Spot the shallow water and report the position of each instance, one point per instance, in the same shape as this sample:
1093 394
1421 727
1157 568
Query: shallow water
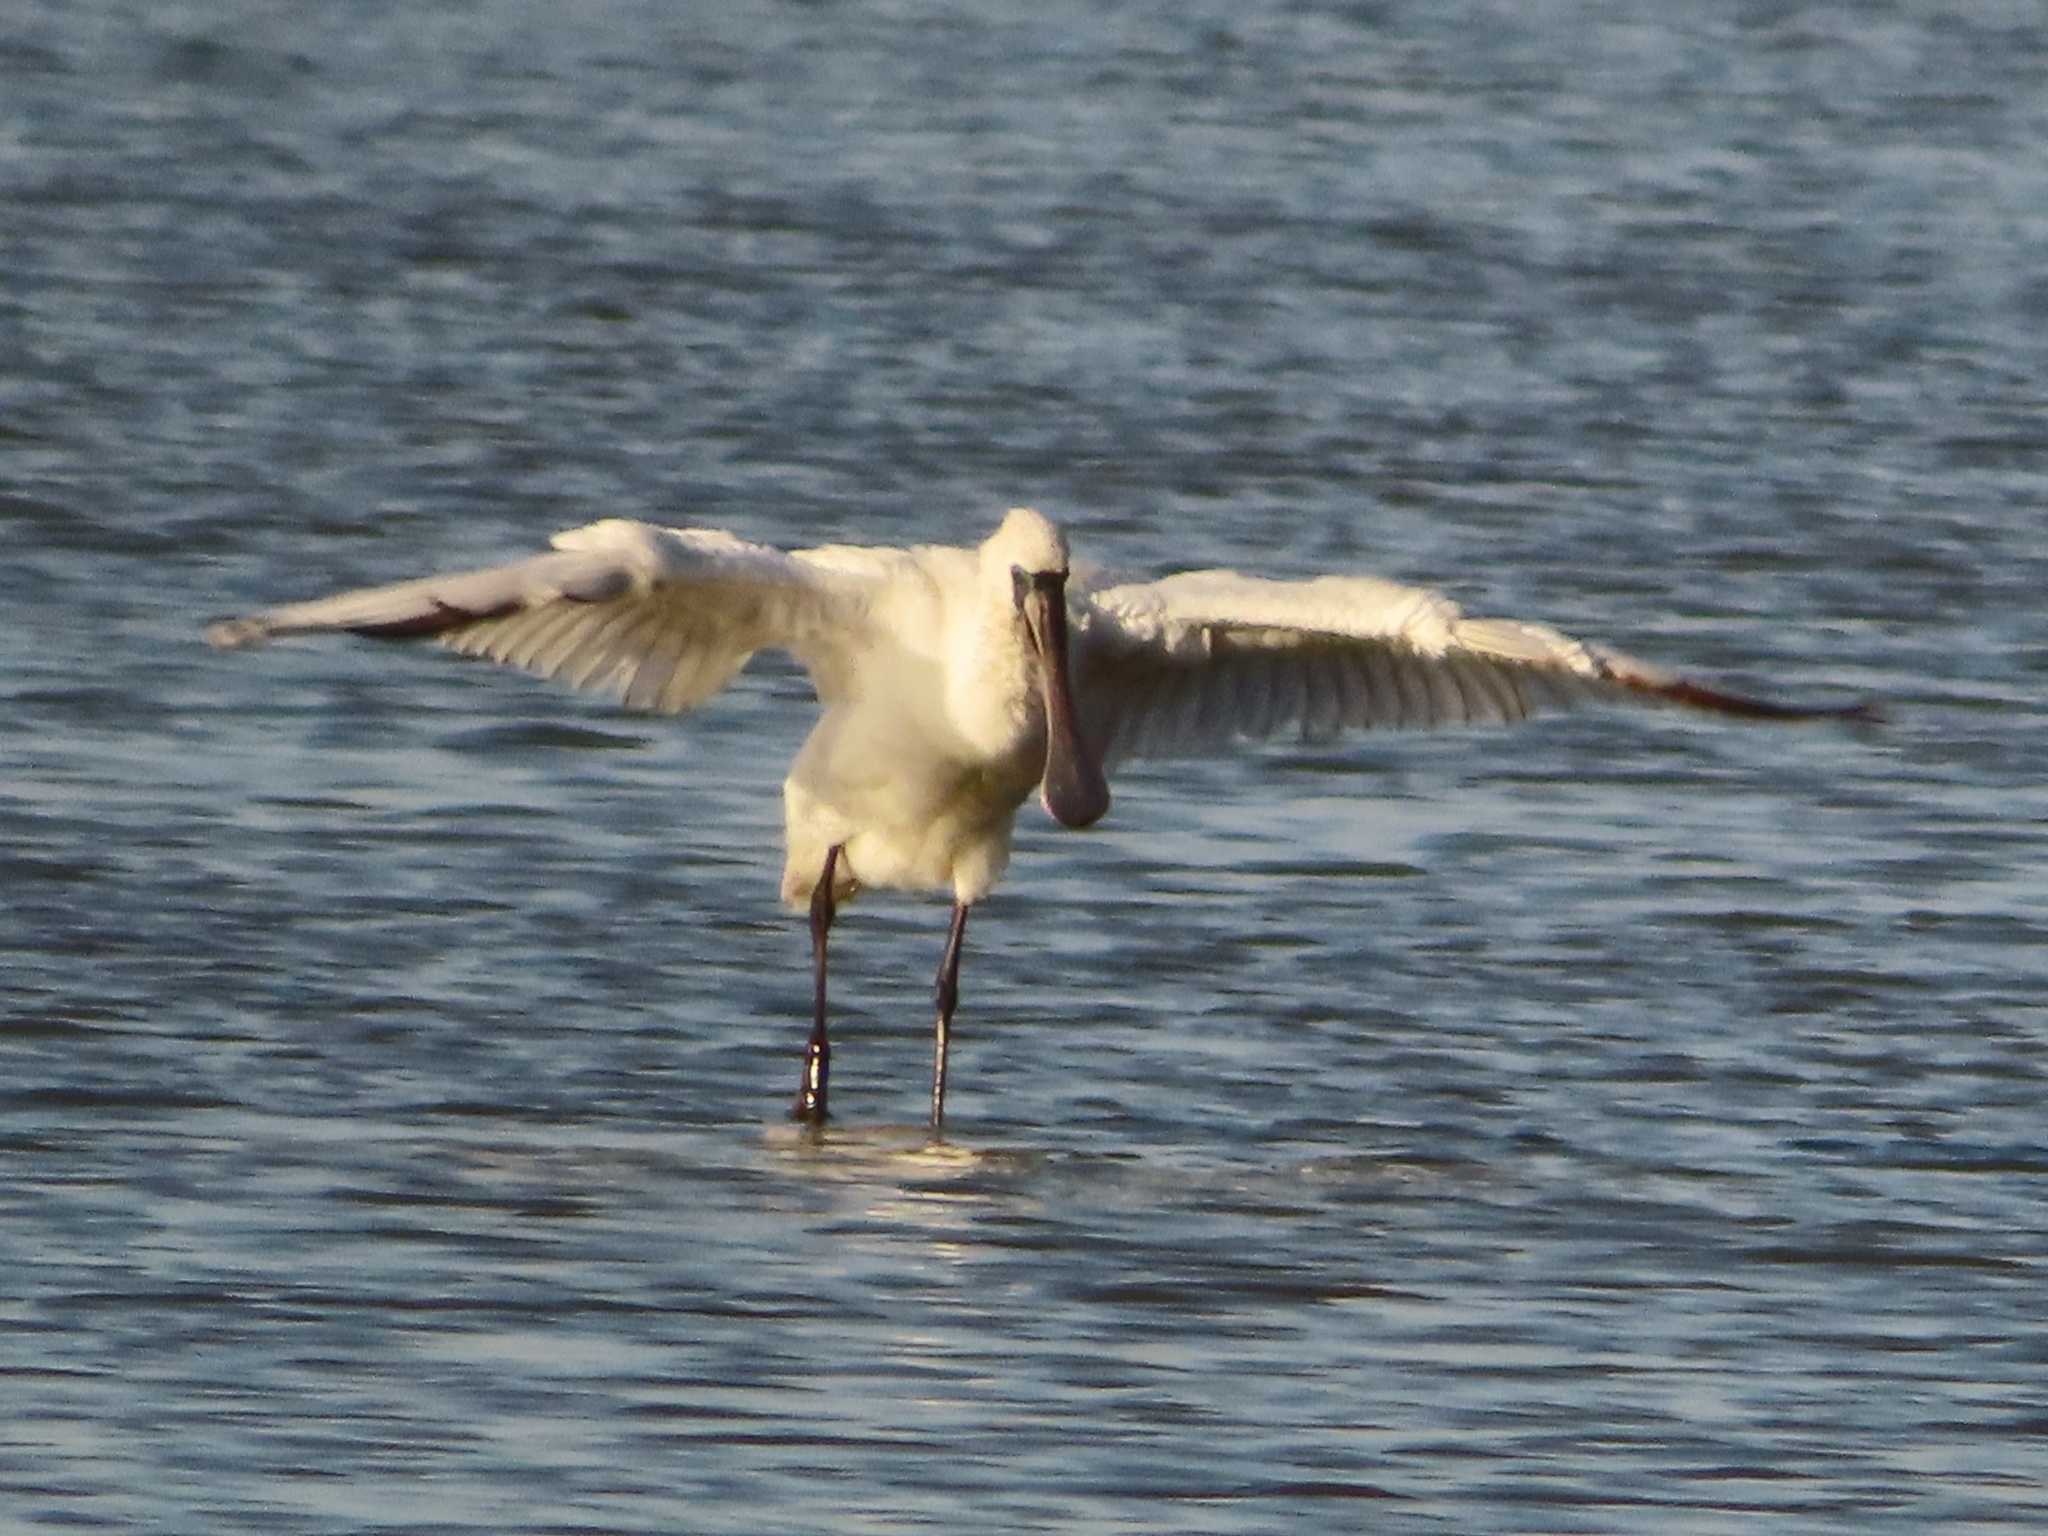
1624 1124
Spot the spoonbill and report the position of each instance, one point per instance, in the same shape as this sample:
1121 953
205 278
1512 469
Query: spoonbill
955 680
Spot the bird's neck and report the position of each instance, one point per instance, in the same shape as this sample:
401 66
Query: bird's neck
994 697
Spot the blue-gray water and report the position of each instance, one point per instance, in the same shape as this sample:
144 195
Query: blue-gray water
1620 1125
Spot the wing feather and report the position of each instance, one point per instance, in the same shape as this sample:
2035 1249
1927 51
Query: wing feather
1354 687
658 665
591 654
661 617
518 639
1385 702
1417 708
1316 719
1194 661
1485 703
1250 691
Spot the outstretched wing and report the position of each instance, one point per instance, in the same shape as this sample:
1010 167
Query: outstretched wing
1194 661
659 617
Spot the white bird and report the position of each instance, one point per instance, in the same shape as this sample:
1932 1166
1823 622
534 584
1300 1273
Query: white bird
955 680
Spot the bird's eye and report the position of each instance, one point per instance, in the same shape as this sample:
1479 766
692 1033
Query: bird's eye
1020 583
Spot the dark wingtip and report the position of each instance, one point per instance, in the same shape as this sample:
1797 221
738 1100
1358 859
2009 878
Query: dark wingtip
1698 696
443 616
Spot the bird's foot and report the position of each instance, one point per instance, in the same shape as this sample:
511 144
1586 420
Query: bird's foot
809 1108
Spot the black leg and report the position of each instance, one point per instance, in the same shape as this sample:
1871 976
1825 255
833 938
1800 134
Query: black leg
810 1093
946 994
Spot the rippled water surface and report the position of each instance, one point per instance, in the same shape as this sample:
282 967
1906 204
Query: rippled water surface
1620 1125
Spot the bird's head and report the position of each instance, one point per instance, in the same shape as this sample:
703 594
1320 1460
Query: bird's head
1034 551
